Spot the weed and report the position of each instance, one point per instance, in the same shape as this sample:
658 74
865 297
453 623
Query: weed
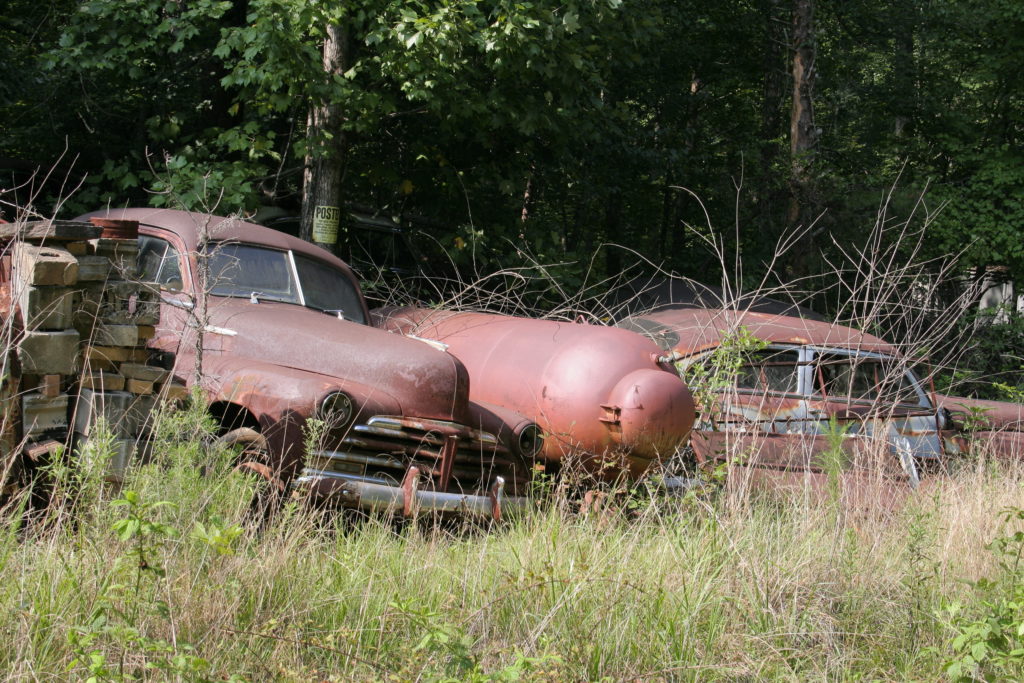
116 624
988 643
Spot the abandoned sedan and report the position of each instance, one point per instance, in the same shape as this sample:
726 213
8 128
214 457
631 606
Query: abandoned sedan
600 394
782 393
275 331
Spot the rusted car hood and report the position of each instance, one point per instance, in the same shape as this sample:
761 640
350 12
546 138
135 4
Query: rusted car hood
995 415
592 389
421 378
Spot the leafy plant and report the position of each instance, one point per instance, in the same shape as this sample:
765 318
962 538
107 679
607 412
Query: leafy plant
834 458
115 644
711 374
454 647
989 644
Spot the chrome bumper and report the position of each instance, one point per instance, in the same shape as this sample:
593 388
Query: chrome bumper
407 498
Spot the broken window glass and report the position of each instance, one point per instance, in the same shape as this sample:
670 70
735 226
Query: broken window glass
771 370
864 379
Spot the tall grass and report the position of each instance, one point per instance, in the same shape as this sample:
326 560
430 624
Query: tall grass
647 589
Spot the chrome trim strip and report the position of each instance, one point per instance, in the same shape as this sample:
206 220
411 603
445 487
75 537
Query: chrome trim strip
311 474
359 458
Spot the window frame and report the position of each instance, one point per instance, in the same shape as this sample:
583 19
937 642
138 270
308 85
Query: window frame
816 389
170 241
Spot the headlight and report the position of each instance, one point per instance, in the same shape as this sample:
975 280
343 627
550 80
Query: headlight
336 410
531 440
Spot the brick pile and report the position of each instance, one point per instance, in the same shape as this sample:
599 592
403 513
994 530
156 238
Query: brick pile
85 319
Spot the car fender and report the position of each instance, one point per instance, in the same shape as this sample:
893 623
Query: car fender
271 392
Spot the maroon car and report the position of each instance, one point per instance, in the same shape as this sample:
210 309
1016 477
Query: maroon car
794 389
282 334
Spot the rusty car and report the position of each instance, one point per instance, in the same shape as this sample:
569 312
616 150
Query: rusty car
281 334
995 427
797 388
601 395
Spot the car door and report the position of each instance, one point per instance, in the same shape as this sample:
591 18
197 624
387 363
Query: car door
875 397
764 416
161 261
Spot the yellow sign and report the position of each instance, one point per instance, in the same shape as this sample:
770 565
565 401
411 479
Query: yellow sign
325 224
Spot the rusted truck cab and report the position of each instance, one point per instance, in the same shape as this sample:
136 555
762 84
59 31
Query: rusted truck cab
275 332
601 395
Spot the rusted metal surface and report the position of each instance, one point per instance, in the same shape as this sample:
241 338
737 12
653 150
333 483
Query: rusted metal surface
272 364
995 427
784 409
597 392
116 229
688 331
990 415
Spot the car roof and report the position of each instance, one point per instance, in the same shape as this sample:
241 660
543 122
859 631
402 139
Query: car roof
187 225
659 292
687 330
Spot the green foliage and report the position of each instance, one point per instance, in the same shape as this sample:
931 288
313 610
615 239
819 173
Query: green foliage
710 375
144 590
219 534
115 635
991 366
834 459
989 643
451 645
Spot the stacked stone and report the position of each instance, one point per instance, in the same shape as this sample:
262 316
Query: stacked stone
81 320
10 415
116 314
42 279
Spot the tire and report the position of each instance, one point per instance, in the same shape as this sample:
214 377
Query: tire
254 460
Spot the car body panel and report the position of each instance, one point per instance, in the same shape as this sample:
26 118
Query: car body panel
996 426
886 408
598 392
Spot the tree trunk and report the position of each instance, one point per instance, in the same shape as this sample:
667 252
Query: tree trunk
321 189
771 194
803 133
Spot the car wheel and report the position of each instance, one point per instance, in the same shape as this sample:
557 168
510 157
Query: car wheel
254 459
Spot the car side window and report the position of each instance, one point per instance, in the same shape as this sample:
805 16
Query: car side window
159 262
771 371
858 378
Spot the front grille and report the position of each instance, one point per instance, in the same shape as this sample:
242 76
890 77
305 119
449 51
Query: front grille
381 449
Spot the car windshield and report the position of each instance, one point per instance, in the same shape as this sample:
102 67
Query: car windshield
248 270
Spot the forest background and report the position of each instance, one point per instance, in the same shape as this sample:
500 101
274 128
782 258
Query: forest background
539 131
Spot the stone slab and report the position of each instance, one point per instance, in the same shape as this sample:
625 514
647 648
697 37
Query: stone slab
109 406
49 353
46 308
102 381
43 265
43 415
106 334
148 373
47 231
